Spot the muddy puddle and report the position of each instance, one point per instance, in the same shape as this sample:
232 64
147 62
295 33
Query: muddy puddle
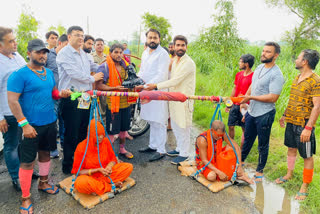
270 198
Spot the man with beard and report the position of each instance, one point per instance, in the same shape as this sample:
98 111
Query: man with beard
301 115
154 69
31 91
171 50
241 84
183 79
87 46
119 111
74 68
265 89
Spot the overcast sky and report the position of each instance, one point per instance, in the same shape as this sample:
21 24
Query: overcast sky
119 19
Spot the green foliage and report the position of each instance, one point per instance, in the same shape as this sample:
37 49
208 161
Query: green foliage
159 23
307 33
221 41
117 42
26 30
219 82
60 29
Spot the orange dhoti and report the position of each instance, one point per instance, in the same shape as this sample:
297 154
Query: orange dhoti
100 184
87 156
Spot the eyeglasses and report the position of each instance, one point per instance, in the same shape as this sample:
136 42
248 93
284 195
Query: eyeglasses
79 35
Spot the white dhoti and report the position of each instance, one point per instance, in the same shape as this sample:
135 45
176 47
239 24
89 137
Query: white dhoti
158 136
182 138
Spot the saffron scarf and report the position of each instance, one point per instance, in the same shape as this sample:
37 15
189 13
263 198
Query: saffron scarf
114 81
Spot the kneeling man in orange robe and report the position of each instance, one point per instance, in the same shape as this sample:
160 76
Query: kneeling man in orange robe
92 178
223 163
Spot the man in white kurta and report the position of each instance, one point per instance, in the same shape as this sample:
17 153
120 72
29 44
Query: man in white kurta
154 69
183 79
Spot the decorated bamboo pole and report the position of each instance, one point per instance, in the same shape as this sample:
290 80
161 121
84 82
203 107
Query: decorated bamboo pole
169 96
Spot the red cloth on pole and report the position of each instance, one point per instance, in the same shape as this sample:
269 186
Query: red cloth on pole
162 95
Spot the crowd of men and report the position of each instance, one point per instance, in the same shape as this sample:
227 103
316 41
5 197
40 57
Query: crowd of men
35 95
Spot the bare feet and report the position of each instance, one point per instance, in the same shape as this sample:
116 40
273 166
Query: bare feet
26 204
129 136
118 184
245 178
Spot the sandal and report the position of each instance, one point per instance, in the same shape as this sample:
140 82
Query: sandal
127 155
47 189
258 176
283 180
28 208
301 194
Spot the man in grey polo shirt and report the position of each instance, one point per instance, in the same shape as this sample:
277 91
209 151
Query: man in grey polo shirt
10 60
74 68
265 89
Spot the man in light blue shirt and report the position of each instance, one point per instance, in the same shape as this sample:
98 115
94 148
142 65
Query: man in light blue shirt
74 68
265 89
10 60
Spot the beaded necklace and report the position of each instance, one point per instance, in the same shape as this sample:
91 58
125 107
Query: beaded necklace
42 76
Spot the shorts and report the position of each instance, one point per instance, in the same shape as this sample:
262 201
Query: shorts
44 141
292 140
118 122
235 116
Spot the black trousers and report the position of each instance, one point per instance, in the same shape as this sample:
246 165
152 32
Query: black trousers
76 126
261 127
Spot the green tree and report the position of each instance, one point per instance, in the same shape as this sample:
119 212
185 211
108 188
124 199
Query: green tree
159 23
222 37
26 30
307 33
60 29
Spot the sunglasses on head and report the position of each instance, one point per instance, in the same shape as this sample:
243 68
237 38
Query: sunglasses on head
218 135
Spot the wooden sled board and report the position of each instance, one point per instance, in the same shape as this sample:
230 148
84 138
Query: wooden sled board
89 201
187 168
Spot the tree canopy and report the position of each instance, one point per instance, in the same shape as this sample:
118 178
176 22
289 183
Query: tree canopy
307 33
159 23
26 30
60 29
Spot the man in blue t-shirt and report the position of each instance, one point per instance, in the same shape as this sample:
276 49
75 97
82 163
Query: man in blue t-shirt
127 52
31 91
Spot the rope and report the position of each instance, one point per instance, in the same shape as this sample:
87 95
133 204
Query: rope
218 111
94 106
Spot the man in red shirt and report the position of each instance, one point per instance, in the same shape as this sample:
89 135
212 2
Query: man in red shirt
241 84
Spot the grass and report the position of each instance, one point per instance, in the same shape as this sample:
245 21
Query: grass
215 79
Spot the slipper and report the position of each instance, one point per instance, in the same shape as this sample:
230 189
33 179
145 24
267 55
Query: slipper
52 188
26 209
282 180
127 155
256 176
302 194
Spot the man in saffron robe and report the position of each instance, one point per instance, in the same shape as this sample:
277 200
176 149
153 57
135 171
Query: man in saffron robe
94 179
204 150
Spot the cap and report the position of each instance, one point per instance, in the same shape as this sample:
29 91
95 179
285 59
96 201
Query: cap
36 45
